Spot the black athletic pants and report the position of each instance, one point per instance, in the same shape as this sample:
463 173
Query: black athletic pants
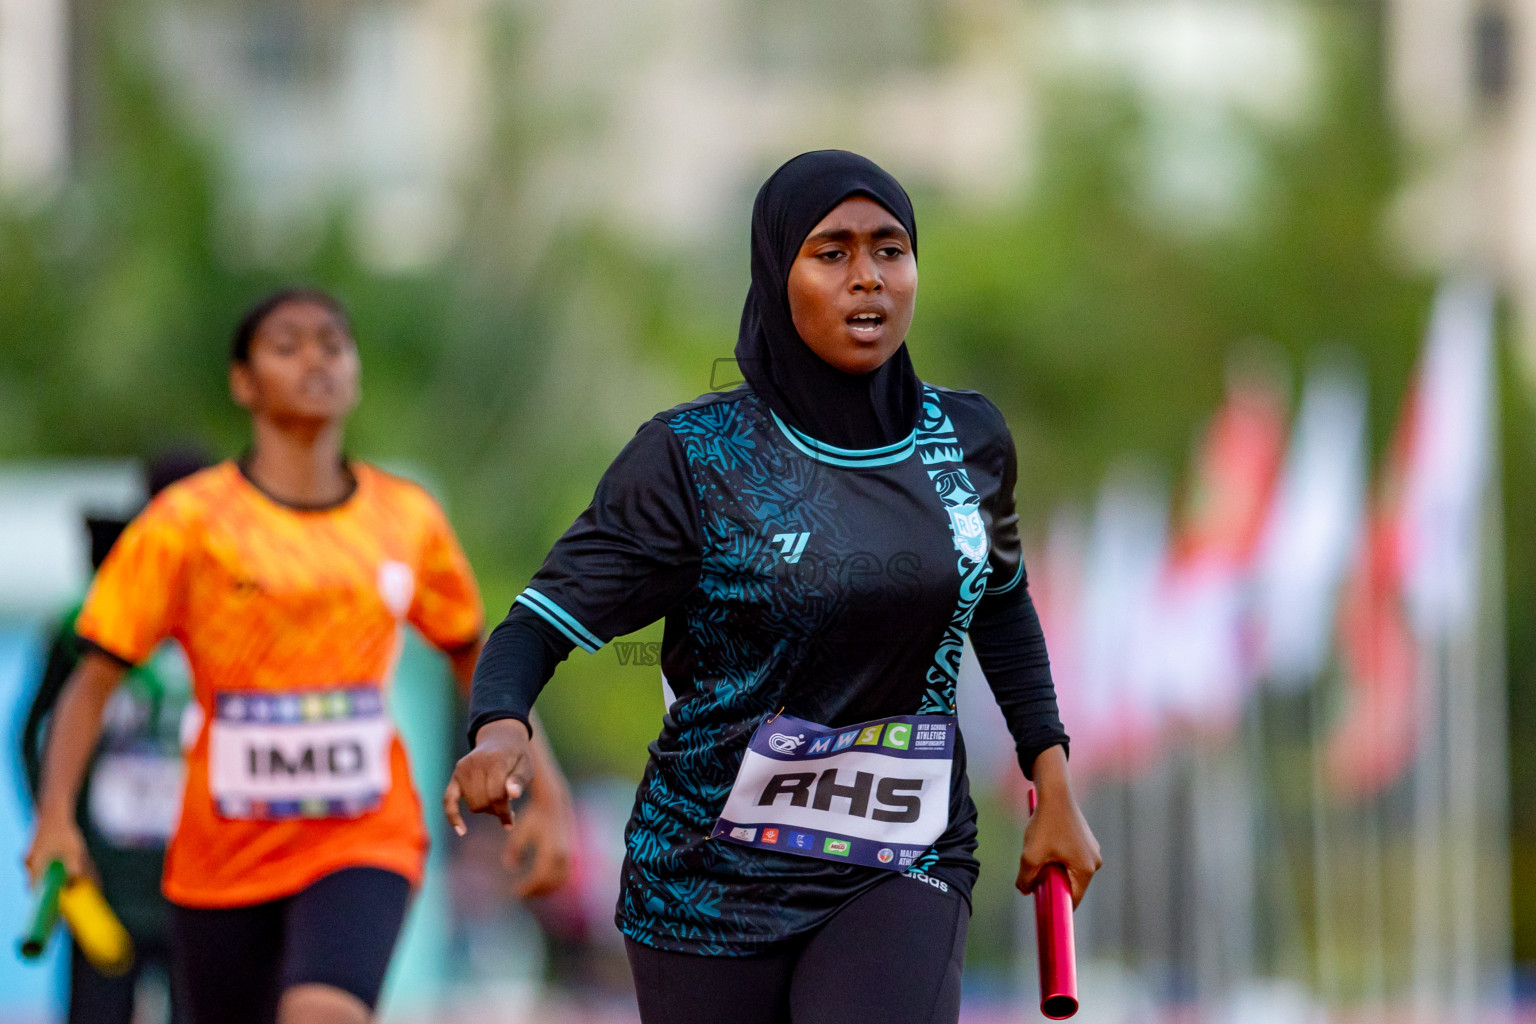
95 998
892 955
233 965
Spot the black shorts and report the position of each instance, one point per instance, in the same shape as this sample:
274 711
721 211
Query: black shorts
232 965
893 954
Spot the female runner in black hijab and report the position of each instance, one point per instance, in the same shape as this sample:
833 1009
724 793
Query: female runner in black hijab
820 542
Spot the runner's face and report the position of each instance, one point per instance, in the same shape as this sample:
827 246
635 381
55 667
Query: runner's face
853 286
303 366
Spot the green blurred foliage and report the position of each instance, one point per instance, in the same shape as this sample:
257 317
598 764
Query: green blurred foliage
1098 330
514 371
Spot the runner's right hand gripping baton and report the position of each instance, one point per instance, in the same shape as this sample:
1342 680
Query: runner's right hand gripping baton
1053 937
97 931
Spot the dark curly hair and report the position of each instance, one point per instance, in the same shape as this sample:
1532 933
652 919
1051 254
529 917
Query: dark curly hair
252 319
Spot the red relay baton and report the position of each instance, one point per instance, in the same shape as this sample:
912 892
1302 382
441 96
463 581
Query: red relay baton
1053 936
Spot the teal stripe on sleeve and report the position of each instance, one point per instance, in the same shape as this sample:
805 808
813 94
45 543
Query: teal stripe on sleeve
560 619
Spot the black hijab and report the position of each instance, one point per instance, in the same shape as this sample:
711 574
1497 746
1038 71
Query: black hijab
842 409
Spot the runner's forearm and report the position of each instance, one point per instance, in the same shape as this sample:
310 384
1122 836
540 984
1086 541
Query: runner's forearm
1051 777
518 659
63 656
73 732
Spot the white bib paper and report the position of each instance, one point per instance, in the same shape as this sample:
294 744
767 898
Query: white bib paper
876 793
135 797
313 754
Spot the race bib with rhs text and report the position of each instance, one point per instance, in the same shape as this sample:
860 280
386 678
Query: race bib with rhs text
875 794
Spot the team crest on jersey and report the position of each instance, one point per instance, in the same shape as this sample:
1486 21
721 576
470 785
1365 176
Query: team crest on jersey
964 509
970 534
397 585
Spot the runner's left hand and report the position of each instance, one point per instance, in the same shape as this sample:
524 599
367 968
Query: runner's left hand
1057 833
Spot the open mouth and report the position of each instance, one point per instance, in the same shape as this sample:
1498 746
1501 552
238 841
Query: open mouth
317 386
866 323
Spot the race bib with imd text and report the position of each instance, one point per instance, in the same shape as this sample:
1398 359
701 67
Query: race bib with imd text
304 754
875 794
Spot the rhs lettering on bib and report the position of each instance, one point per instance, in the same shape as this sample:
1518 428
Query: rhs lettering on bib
875 794
306 754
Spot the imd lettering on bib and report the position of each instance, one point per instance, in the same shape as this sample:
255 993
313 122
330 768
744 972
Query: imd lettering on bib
875 793
303 754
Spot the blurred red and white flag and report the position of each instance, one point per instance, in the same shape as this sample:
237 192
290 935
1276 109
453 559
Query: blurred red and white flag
1056 586
1448 478
1116 621
1314 530
1201 659
1373 741
1421 559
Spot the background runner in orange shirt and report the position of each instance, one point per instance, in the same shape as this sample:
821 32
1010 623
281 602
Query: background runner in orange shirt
287 577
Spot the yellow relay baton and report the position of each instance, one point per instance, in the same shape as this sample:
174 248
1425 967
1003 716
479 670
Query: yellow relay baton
97 931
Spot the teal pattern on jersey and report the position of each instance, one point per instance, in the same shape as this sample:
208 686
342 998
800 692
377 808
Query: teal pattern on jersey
938 446
752 624
677 882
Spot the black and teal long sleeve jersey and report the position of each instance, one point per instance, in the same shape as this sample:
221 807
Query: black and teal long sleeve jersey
833 585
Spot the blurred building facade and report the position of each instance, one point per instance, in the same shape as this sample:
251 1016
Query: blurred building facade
660 115
1464 96
34 96
663 113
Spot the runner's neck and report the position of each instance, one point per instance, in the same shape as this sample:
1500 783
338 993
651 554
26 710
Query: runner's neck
309 473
